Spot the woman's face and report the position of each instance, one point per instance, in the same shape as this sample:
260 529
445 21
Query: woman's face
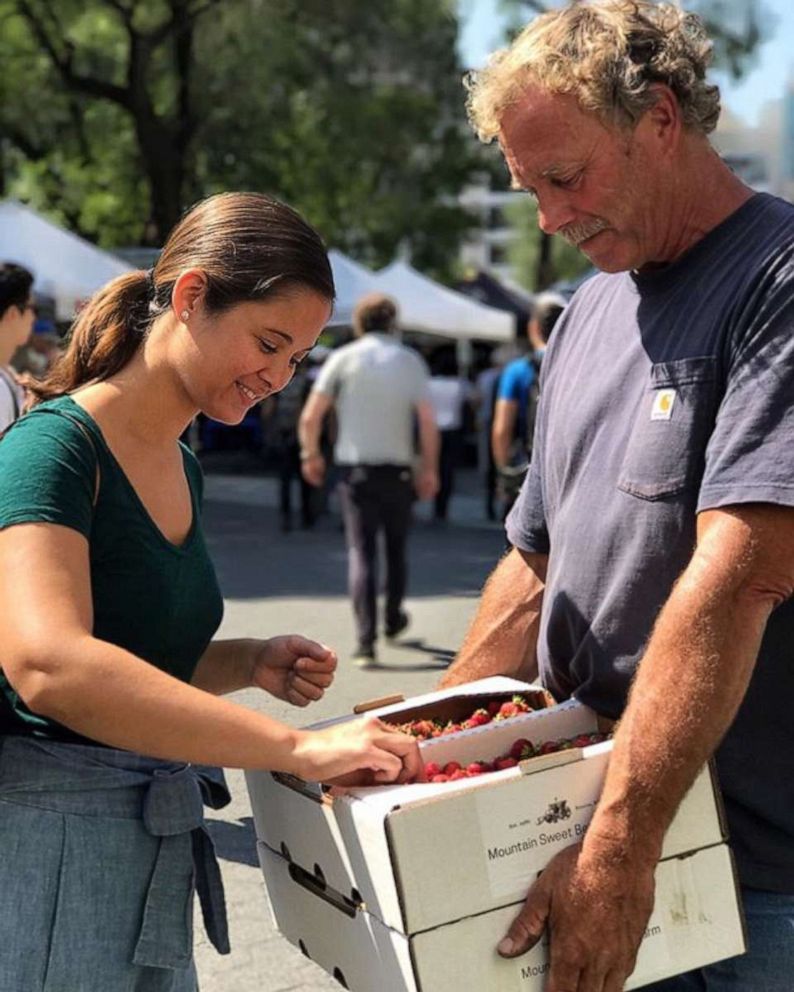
235 359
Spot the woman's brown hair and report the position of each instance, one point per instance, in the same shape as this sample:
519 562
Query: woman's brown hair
249 246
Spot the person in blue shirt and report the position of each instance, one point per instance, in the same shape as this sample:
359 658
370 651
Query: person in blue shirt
516 402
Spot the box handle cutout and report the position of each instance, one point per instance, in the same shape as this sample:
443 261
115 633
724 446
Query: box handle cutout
307 881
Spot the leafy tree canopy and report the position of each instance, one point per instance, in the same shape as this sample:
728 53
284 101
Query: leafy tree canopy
116 114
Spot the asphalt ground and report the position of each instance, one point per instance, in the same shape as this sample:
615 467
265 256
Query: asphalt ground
278 583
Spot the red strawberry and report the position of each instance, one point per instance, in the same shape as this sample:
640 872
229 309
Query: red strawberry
451 767
548 747
440 778
585 740
506 710
478 768
521 749
479 718
460 773
506 762
493 707
452 728
432 768
423 728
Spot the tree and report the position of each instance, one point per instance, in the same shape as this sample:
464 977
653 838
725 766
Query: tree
352 112
363 128
108 60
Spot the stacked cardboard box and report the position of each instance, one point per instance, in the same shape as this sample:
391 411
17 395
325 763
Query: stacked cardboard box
409 888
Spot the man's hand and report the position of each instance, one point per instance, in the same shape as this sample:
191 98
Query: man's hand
293 668
596 908
313 469
426 483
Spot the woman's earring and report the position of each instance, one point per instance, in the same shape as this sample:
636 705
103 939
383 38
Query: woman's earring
184 316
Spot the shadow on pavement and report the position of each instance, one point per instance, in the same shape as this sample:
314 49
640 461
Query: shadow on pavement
234 841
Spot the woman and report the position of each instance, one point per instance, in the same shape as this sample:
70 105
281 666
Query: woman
109 603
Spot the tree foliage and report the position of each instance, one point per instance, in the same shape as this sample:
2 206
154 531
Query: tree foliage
116 114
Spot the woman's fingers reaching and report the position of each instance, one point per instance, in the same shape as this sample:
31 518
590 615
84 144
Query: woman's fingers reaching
338 752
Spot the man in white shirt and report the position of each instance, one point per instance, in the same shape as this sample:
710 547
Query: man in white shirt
379 390
16 321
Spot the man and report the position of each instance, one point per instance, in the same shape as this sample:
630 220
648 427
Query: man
16 321
378 389
654 535
517 400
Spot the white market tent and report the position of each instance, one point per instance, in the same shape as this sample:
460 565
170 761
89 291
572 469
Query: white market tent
352 281
428 307
66 267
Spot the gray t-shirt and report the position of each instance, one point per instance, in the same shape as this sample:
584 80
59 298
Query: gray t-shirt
664 394
376 384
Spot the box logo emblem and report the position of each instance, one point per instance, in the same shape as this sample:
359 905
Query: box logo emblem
558 810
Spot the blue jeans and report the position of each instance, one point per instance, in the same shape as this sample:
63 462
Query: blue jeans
768 965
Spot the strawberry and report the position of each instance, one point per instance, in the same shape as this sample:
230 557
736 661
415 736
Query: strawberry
452 728
585 740
478 768
479 718
451 767
506 762
459 774
422 728
493 707
440 778
548 747
522 749
432 768
507 710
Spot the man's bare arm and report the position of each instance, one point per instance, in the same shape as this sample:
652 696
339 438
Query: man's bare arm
426 481
697 666
691 681
309 430
503 637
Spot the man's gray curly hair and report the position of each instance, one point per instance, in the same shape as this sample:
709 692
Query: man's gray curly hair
608 54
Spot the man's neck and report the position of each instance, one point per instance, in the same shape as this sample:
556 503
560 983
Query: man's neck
708 195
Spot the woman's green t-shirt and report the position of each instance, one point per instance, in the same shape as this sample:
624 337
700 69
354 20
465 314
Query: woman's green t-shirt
158 600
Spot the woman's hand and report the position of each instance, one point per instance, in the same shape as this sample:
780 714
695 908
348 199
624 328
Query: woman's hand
358 752
293 668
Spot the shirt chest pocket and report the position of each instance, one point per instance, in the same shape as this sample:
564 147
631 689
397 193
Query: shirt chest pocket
666 447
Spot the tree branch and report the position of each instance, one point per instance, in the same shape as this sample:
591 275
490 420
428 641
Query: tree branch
89 85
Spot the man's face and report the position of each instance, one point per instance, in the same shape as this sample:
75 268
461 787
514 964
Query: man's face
597 186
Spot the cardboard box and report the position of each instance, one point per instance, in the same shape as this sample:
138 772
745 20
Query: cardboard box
696 921
388 848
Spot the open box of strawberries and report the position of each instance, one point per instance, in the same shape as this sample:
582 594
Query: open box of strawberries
521 750
452 716
457 713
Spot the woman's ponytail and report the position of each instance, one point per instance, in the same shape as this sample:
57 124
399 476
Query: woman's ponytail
104 337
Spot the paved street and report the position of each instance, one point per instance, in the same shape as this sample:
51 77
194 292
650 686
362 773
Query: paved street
283 583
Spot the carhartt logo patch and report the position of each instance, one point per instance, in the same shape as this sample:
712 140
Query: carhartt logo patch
663 403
